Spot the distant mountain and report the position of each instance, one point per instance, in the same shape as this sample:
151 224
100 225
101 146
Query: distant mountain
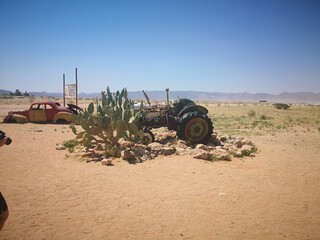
285 97
4 92
298 97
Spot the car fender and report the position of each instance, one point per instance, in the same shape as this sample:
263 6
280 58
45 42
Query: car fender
62 115
193 108
16 118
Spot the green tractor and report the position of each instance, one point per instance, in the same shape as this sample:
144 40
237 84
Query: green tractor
188 119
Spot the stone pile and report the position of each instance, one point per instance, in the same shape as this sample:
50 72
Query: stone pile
166 144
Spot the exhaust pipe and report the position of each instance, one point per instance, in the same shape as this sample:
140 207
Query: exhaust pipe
167 96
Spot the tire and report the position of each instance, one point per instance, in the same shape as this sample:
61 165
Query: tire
195 127
61 121
148 137
10 121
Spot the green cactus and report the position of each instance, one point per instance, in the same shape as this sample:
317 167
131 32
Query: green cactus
114 119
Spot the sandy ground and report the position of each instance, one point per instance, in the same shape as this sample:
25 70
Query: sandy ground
275 195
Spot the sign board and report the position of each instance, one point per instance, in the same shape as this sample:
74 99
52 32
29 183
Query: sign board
70 90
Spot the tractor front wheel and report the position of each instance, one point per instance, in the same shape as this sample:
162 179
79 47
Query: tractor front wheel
148 137
195 127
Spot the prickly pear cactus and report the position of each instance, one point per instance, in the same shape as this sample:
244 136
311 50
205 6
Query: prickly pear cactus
114 119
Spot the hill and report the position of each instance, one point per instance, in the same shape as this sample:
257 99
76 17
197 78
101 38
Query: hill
286 97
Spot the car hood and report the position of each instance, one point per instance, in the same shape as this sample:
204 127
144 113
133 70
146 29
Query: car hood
19 112
74 106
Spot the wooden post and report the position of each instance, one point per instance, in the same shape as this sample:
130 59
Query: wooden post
64 91
76 86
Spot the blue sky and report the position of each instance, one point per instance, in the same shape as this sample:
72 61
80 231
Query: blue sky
213 46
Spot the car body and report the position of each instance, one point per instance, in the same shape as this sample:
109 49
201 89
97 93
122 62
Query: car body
43 112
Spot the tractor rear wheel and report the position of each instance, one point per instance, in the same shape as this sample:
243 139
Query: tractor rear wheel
195 127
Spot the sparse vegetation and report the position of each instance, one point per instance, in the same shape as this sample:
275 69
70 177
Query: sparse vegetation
237 120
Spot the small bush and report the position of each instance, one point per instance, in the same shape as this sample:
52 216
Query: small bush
251 113
290 119
71 144
263 117
281 106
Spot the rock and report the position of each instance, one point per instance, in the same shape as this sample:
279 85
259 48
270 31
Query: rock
145 158
168 144
94 159
238 143
181 144
224 138
214 140
99 152
214 136
99 147
170 134
86 154
168 151
140 151
127 155
166 136
180 150
246 150
107 161
202 154
210 148
238 154
233 149
201 146
152 156
126 144
60 147
246 147
222 154
247 142
155 146
227 146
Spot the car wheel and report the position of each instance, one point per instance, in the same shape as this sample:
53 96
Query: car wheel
62 121
10 121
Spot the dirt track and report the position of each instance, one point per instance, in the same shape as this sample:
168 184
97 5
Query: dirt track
272 196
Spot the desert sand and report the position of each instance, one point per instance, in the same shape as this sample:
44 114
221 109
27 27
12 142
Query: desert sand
51 195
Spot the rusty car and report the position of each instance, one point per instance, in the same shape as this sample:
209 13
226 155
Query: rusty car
43 112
